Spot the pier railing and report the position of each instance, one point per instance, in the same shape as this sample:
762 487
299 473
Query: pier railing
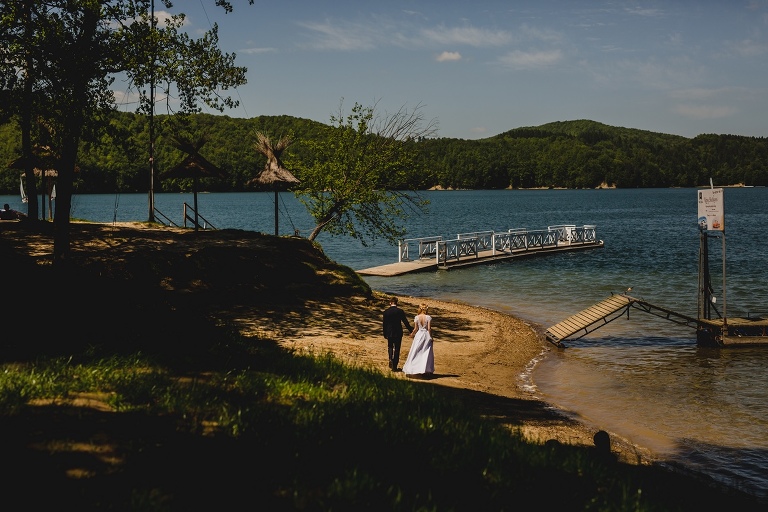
586 234
470 245
454 249
484 239
427 248
513 239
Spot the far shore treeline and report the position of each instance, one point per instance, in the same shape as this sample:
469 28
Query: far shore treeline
563 154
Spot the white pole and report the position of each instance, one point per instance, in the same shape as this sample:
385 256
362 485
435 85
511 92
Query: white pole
725 316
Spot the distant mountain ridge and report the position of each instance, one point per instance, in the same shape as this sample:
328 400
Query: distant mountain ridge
580 126
564 154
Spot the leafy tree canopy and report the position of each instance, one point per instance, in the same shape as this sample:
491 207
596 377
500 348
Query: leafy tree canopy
356 179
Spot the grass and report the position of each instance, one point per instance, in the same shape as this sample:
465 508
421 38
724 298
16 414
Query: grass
295 432
119 392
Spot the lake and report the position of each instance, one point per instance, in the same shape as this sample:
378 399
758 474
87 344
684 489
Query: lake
641 377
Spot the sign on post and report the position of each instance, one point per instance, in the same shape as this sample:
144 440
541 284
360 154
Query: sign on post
711 216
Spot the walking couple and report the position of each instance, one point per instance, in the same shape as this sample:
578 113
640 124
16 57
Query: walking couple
421 356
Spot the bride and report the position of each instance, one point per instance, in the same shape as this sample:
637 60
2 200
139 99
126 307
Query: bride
421 356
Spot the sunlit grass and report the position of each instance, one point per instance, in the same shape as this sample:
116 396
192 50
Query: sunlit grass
331 436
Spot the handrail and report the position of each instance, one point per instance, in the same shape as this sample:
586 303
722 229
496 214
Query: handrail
206 223
427 247
564 232
513 240
484 239
455 249
167 220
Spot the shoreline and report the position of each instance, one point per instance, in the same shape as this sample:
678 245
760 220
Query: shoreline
484 353
481 352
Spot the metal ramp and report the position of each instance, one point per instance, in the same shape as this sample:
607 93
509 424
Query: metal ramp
589 319
606 311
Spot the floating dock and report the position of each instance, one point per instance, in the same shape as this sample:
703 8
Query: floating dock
485 247
733 332
710 332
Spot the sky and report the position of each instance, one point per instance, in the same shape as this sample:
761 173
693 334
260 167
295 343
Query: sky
480 68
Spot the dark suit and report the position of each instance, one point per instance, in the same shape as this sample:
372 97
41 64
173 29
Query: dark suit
393 332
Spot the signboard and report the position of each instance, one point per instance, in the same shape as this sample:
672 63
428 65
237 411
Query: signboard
711 216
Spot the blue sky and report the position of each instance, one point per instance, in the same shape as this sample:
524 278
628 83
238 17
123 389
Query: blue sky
480 68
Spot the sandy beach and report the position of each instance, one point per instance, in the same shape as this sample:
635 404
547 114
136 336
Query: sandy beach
482 351
482 354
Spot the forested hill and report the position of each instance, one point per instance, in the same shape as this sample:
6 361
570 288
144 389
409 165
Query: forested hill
569 154
588 154
585 127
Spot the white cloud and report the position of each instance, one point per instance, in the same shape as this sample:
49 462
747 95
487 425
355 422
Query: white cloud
654 73
348 36
470 36
125 98
163 16
538 34
532 59
696 93
128 100
704 111
749 48
448 56
253 51
160 16
645 12
345 37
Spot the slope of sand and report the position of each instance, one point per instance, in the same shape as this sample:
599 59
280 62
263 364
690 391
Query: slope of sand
483 352
480 354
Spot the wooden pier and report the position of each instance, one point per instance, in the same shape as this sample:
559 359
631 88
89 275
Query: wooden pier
710 332
434 253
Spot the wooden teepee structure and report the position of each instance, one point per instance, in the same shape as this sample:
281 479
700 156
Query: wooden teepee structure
274 176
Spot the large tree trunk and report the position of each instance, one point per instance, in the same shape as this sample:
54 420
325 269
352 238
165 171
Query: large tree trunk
64 187
26 122
322 223
72 128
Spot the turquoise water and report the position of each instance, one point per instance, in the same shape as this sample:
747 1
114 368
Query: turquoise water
640 377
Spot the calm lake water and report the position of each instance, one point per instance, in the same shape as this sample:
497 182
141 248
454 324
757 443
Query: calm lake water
640 377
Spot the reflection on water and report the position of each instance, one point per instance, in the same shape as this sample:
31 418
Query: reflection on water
639 376
691 404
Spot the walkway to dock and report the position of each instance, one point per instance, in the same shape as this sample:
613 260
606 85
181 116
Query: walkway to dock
606 311
589 319
434 253
719 332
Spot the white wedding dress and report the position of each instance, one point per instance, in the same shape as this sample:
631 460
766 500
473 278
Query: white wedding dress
421 356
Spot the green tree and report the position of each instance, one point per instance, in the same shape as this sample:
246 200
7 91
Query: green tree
357 181
82 45
19 87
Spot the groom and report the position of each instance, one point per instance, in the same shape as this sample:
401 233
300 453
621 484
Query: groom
393 331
